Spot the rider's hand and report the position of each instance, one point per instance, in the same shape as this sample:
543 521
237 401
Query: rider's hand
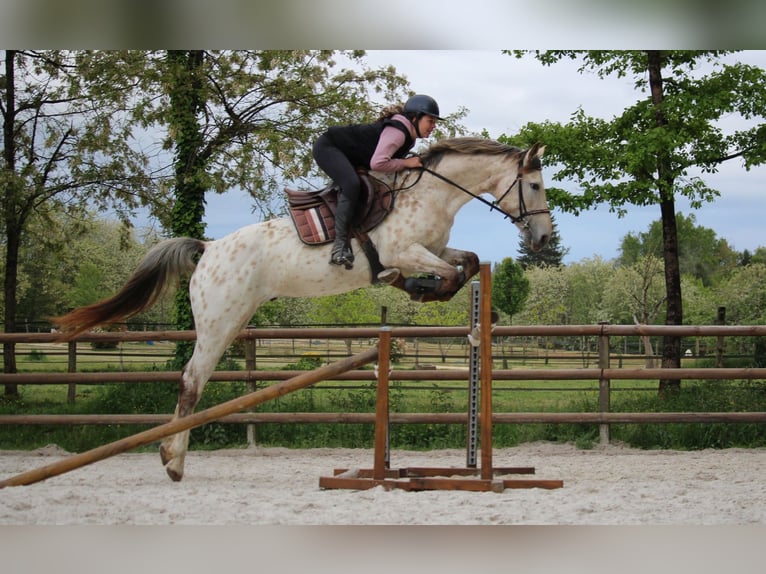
413 161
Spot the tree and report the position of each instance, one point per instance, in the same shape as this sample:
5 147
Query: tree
550 255
747 258
188 98
701 253
743 294
656 149
548 293
587 282
353 307
635 292
66 127
510 287
247 119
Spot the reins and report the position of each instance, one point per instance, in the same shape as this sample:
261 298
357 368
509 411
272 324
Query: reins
495 205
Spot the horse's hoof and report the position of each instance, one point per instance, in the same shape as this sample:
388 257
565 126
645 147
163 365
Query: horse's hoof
389 275
174 475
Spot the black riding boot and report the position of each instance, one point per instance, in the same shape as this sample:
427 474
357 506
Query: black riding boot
341 247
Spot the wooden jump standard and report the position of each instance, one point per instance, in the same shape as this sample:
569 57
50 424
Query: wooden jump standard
202 417
438 478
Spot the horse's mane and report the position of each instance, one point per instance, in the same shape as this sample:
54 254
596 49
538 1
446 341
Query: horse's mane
465 145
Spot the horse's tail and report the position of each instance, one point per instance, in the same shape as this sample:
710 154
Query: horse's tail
160 268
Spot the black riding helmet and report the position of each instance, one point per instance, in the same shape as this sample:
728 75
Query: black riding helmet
421 104
418 106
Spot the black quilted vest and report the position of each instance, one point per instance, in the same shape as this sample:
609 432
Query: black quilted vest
358 141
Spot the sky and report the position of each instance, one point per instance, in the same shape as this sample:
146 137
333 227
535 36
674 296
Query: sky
501 94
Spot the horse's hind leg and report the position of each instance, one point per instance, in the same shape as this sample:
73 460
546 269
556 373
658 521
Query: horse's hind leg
453 267
193 379
207 351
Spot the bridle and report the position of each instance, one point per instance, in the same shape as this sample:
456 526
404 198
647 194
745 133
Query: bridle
524 213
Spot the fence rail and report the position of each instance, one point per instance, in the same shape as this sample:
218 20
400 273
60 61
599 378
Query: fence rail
604 374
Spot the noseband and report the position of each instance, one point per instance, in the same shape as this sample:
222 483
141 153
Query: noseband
524 213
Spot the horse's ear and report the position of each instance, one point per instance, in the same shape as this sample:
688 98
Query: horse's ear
535 152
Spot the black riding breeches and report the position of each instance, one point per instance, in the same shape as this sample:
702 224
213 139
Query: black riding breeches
336 165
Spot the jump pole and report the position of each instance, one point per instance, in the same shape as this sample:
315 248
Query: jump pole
194 420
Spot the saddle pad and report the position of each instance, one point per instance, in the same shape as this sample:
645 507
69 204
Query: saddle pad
313 213
315 224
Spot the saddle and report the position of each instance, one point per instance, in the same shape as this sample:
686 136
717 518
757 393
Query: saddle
313 212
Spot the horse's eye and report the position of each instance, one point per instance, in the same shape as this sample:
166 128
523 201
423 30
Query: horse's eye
535 186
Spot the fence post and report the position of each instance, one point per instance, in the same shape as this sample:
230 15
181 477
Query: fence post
604 384
472 436
252 386
485 374
382 436
71 368
720 320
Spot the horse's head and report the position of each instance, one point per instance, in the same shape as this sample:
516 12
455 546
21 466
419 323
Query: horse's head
519 192
524 199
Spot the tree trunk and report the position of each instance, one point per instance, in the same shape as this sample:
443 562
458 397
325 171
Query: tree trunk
10 193
187 102
648 349
671 346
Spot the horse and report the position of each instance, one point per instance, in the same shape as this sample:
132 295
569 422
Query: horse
232 276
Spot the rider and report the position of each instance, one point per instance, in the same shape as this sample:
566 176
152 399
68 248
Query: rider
380 146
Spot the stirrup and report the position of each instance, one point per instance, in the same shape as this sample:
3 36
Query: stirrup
342 255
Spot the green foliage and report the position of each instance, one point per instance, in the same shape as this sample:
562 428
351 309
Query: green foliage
350 308
742 396
552 255
701 253
713 396
67 149
547 300
588 290
510 288
637 291
649 154
743 293
597 154
37 355
144 398
308 362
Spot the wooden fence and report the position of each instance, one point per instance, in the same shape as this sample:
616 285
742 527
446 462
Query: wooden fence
604 373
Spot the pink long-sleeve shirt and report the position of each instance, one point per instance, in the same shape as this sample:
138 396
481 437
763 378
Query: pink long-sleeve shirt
391 139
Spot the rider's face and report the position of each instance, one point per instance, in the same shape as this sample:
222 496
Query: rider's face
426 125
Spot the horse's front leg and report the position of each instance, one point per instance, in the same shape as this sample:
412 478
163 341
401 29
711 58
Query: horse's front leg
467 260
